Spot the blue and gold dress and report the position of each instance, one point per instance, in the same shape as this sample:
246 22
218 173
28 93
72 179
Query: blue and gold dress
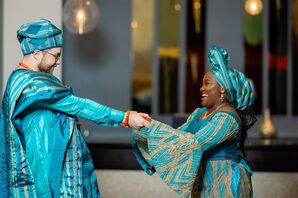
199 159
46 153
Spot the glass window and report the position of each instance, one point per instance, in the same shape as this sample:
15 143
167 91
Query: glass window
278 56
142 39
168 51
294 14
195 47
253 50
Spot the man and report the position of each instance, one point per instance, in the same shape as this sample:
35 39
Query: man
46 153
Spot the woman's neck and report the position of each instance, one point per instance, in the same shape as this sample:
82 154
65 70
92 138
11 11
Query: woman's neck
212 110
217 107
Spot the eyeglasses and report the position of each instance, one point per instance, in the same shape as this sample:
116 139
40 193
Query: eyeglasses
57 56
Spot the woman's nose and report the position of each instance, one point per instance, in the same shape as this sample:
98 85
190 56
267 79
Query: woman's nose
202 88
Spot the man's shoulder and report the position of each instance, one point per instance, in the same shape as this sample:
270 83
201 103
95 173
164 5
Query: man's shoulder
20 79
21 75
33 77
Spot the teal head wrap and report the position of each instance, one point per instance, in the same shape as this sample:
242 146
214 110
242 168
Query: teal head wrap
39 35
235 83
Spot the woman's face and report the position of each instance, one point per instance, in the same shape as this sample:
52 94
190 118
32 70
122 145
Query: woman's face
211 91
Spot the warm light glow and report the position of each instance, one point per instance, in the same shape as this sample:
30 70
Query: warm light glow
81 20
80 16
134 24
197 5
253 7
177 7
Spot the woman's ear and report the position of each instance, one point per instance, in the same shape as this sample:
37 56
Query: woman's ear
222 91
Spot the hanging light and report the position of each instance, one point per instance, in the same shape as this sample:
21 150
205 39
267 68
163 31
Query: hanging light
197 13
80 16
134 24
253 7
177 7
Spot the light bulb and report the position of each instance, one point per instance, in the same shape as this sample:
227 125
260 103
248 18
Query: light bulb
197 5
81 20
253 7
80 16
177 7
134 24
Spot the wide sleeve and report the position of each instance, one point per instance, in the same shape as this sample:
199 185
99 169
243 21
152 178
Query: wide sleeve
87 109
176 154
192 116
140 146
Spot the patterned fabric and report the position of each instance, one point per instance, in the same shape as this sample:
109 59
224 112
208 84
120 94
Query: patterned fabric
237 86
3 159
198 159
47 155
39 35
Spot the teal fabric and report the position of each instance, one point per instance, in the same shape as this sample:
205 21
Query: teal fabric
39 35
47 155
178 155
227 150
3 159
237 86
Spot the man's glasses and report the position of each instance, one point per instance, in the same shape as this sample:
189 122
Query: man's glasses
57 56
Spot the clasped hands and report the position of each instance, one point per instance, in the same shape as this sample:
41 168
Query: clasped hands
139 120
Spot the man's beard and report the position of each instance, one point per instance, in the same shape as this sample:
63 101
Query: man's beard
48 69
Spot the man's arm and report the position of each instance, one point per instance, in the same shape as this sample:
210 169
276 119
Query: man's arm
93 111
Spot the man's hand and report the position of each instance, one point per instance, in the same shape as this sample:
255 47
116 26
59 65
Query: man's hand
138 120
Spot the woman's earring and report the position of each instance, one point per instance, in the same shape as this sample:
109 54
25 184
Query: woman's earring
222 98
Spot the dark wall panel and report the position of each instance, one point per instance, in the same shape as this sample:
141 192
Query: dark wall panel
97 65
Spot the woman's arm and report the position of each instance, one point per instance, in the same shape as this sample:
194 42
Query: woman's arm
222 127
176 154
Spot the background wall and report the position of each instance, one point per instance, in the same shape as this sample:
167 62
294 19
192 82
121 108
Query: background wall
224 29
98 66
15 13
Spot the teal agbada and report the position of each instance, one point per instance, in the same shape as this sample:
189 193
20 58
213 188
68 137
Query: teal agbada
39 35
46 153
3 159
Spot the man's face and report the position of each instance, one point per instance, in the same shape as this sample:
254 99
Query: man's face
51 59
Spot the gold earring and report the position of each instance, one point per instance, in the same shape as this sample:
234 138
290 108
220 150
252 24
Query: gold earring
221 98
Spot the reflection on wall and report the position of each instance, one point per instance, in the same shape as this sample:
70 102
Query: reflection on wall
142 36
196 14
253 44
278 56
295 54
168 17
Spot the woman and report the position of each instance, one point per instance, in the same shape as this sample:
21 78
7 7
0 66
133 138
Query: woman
200 158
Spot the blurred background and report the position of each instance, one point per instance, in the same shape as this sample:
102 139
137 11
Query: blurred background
151 55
